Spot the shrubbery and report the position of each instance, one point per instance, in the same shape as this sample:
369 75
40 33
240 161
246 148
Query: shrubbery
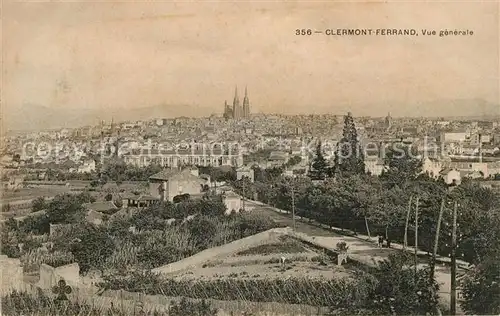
290 291
22 303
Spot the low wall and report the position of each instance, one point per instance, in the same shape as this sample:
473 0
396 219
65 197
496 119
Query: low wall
50 276
11 275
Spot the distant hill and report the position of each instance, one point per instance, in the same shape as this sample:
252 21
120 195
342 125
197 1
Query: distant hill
458 108
471 108
36 117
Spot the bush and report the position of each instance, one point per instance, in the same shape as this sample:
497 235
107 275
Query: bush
91 247
38 204
481 288
22 303
185 307
289 291
289 246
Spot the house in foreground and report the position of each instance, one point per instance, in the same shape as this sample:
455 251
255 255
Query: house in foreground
169 183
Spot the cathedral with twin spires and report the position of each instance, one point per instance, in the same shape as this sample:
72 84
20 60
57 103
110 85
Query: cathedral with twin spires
238 112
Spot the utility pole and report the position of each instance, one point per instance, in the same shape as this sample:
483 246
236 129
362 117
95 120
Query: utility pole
436 240
453 292
405 243
243 181
293 208
416 235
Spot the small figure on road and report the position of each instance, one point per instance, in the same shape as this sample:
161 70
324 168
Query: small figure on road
388 242
380 241
282 261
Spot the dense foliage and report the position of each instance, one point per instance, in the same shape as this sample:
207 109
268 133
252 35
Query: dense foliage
22 303
38 204
151 237
481 288
376 205
120 171
291 291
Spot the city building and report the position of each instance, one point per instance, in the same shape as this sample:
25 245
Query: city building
169 183
87 167
388 121
450 176
232 201
245 172
456 136
175 158
432 166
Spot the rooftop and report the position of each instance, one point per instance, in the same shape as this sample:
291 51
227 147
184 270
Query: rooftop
101 206
169 174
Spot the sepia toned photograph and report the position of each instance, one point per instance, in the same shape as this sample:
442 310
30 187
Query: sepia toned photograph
250 158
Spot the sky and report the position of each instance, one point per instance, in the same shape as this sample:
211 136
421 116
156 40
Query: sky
124 55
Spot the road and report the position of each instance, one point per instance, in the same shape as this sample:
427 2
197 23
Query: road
359 249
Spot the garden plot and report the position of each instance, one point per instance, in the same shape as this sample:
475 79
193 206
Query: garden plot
265 261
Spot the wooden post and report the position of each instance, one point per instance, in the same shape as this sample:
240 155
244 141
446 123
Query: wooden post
405 242
121 301
453 292
367 228
416 235
293 208
436 241
243 195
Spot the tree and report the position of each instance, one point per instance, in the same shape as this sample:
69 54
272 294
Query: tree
108 197
295 160
319 164
38 204
68 208
393 289
118 203
401 164
366 194
481 288
203 231
349 157
402 292
91 247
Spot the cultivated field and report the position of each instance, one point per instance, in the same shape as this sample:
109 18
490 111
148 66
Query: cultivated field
264 262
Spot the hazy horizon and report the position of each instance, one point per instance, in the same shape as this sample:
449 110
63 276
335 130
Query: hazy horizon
114 56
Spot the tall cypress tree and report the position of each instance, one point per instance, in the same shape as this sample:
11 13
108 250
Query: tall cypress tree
319 164
349 156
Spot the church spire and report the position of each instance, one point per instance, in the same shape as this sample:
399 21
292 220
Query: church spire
246 105
236 105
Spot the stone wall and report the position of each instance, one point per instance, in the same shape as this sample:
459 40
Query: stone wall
11 275
49 276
